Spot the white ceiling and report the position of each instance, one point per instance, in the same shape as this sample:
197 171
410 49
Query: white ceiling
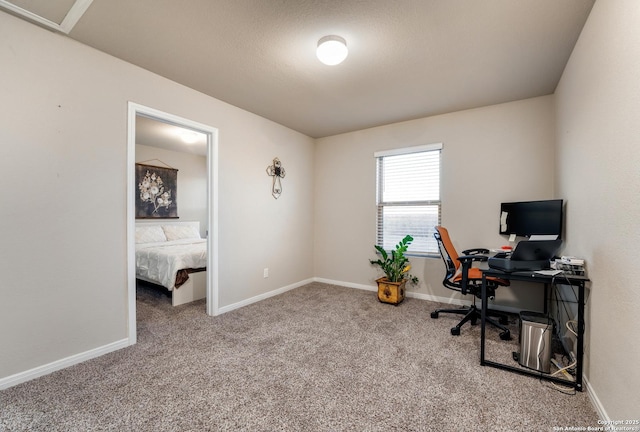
407 58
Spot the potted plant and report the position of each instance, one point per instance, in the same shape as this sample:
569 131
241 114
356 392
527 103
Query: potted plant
395 266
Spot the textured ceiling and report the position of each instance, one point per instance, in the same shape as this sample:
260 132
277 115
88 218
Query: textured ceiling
407 58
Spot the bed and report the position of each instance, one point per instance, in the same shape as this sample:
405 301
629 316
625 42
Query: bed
174 256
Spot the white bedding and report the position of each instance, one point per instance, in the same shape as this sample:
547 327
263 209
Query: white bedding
159 262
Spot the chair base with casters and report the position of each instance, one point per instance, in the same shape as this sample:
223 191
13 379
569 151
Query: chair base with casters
461 276
473 314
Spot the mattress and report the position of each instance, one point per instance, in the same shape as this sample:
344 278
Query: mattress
160 262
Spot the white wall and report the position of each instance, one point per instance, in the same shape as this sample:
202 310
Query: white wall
63 155
598 153
192 180
490 155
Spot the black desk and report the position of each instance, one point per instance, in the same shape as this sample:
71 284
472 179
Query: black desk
529 276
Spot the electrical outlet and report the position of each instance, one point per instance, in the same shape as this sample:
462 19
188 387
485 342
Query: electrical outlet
265 273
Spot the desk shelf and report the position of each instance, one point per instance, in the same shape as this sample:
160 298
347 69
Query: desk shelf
500 354
508 363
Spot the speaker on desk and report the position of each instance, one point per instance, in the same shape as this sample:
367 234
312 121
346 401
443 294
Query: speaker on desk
535 341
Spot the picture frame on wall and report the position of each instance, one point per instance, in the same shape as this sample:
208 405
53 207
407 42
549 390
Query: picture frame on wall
157 192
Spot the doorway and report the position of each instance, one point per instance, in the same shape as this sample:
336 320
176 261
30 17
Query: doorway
135 111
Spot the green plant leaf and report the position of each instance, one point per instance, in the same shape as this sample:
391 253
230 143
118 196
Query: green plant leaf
393 264
382 252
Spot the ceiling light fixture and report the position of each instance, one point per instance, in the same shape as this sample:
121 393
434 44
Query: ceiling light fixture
332 50
189 137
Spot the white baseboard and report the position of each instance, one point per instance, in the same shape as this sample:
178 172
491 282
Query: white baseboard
263 296
420 296
374 288
39 371
46 369
346 284
595 401
453 301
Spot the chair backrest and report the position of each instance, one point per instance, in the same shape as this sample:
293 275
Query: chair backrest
448 253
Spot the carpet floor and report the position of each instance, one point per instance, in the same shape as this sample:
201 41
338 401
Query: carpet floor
317 358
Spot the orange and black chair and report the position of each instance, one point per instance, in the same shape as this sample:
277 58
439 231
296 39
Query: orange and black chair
463 277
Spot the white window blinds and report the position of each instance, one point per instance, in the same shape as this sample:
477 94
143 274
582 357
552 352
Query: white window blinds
408 198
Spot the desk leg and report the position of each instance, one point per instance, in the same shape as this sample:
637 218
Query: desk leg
483 317
580 337
546 299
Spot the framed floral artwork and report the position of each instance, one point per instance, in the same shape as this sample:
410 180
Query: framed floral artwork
157 192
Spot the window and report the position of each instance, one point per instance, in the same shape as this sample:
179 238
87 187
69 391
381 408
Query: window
408 197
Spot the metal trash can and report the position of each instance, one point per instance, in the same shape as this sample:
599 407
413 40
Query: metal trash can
535 341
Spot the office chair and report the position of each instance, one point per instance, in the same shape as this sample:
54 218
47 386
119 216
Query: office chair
461 276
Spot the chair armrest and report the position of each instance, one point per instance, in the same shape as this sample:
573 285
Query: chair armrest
470 258
475 251
467 261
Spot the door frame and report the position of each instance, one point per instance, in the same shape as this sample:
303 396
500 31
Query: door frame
134 110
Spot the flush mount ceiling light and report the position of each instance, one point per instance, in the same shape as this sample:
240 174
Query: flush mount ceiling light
189 137
332 50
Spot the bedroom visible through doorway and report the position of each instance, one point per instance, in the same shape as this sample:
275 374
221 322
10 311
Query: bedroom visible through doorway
163 140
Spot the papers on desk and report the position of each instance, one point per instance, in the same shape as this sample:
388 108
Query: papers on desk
537 237
551 272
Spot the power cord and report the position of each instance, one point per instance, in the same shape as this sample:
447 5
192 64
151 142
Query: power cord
571 326
569 390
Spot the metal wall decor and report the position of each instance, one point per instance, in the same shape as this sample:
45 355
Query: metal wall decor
157 192
277 172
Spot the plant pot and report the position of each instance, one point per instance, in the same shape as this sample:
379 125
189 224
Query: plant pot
391 292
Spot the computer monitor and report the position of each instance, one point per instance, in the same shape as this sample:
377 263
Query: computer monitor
527 218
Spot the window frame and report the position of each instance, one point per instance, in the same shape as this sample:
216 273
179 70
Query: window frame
380 204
